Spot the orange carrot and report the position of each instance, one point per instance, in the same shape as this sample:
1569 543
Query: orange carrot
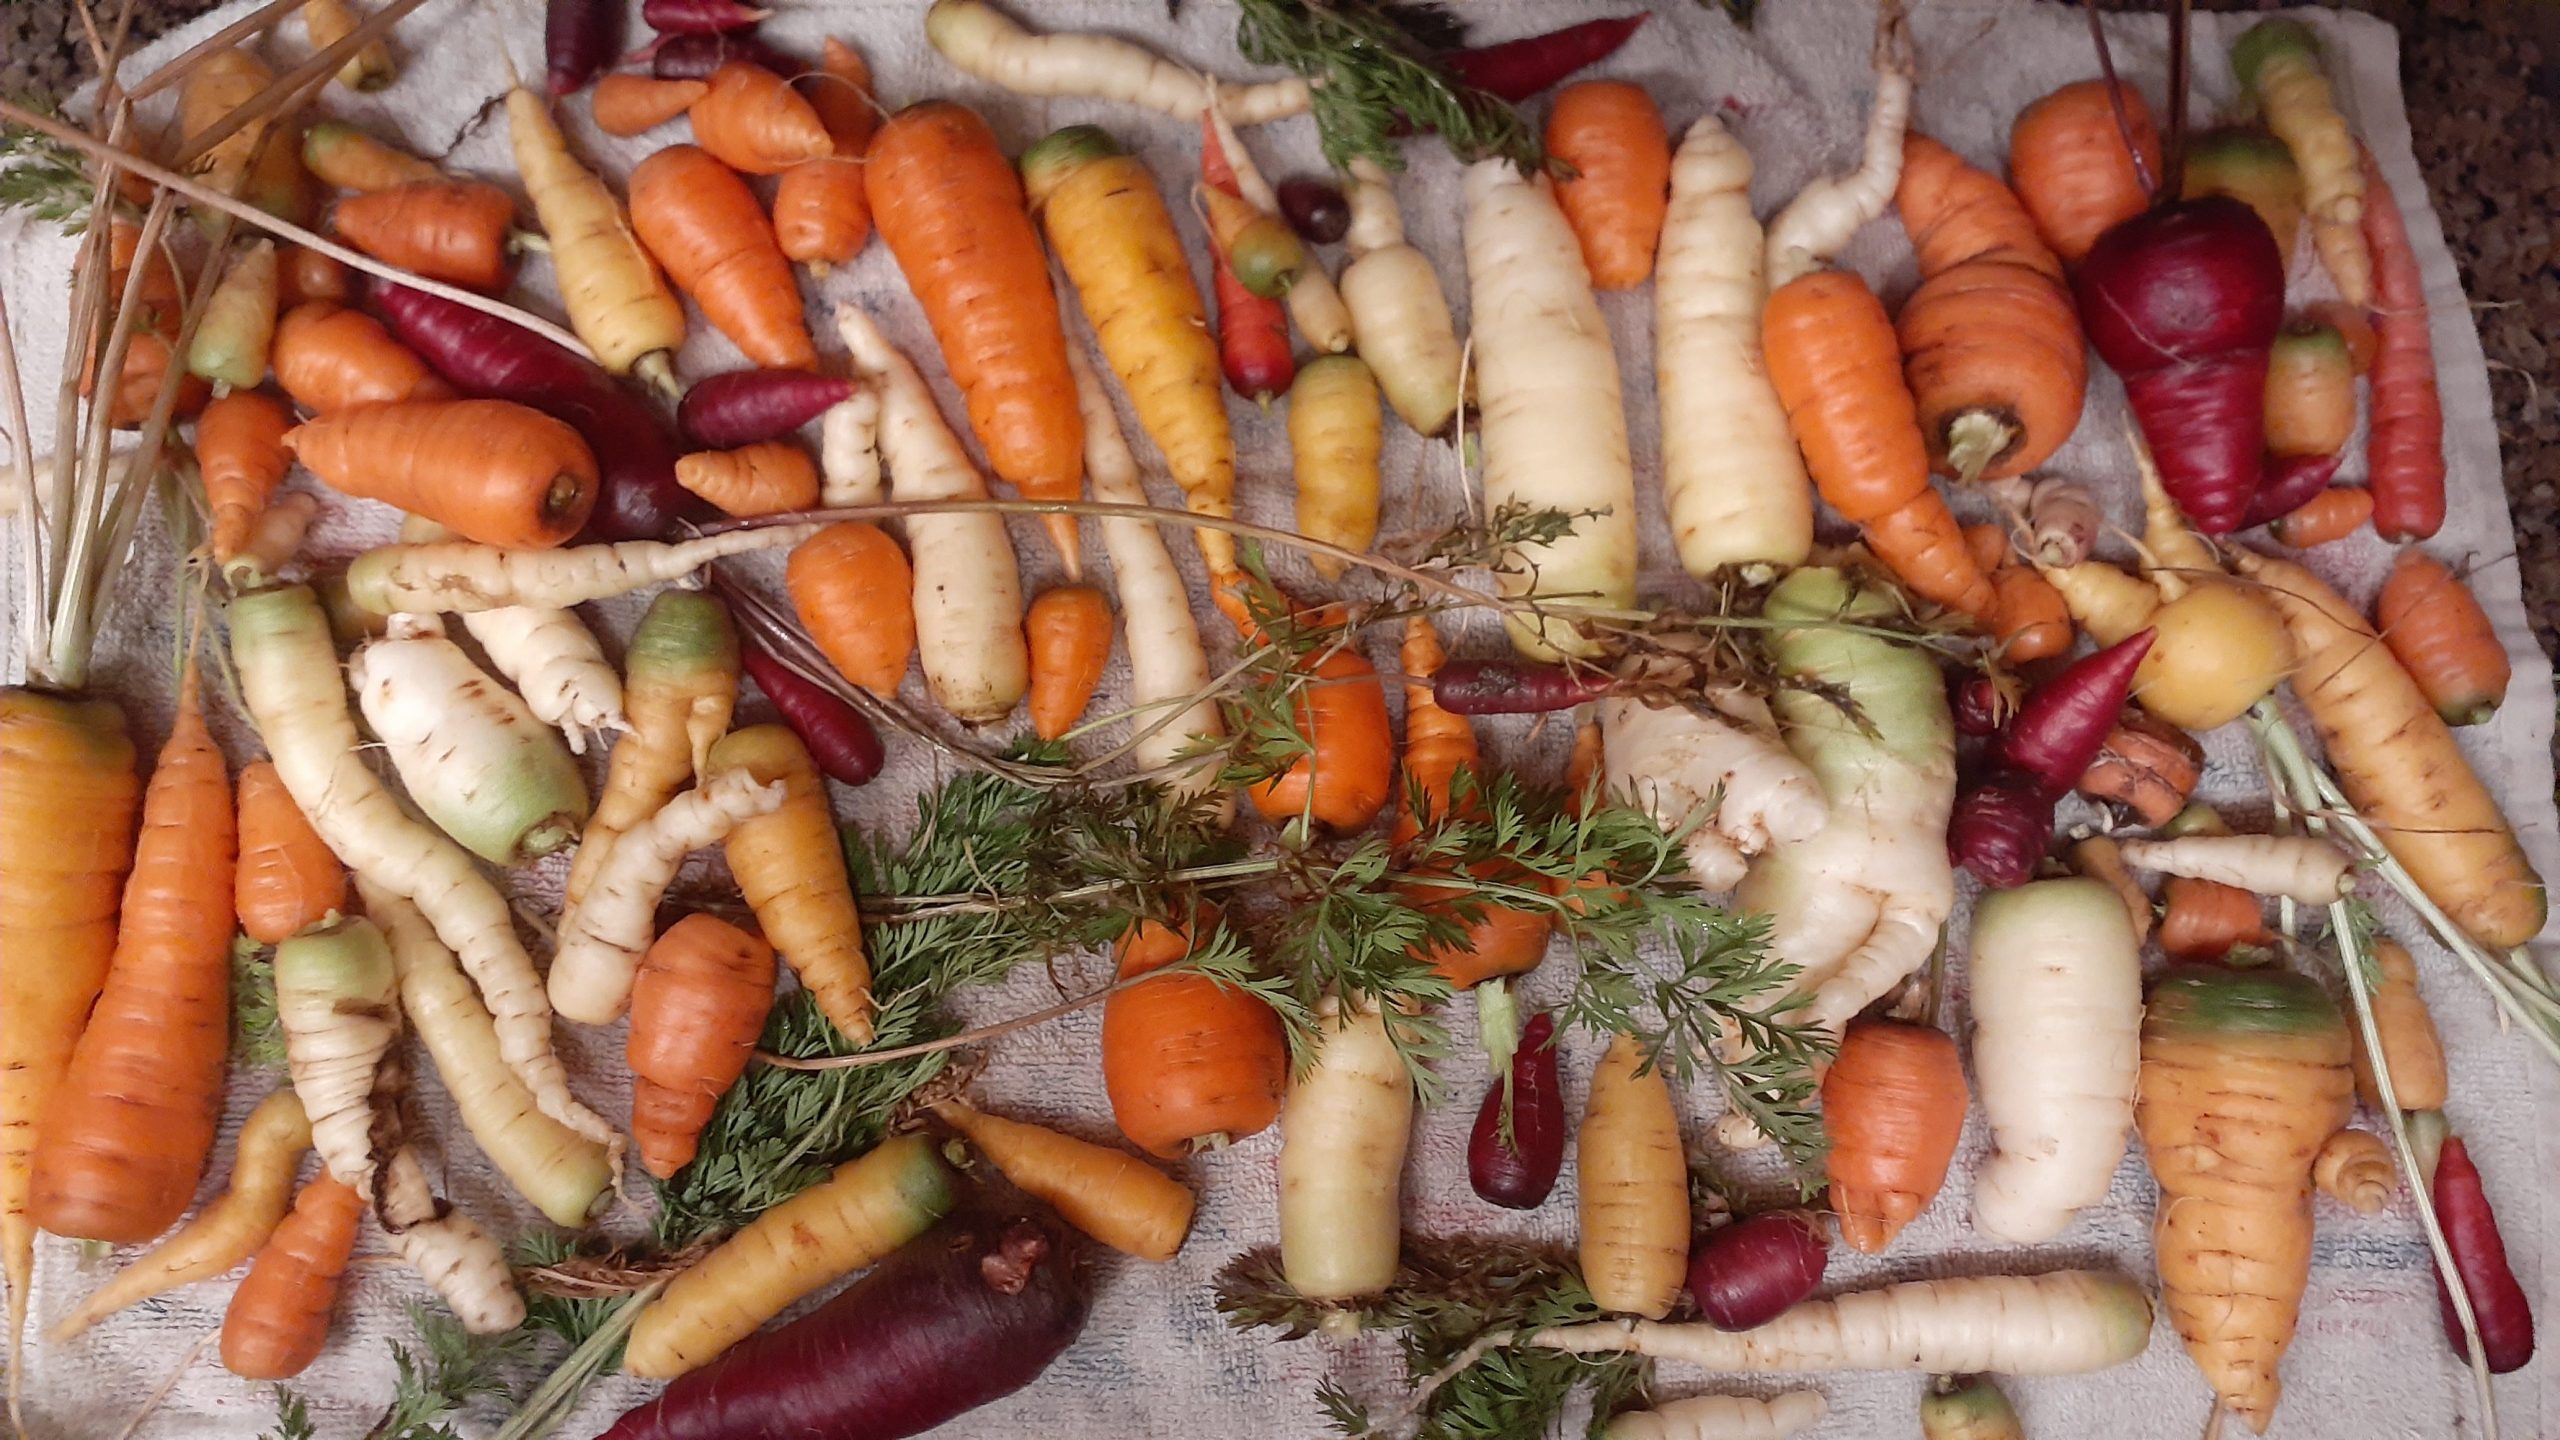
490 470
449 230
306 274
1893 1104
153 346
1990 341
2333 514
626 105
766 478
2028 615
821 211
2436 628
1070 631
2072 169
1189 1064
1838 370
2205 919
752 120
2311 391
1499 939
126 1136
331 359
1921 545
240 457
1611 137
855 592
287 880
697 1006
1343 781
950 208
278 1322
704 225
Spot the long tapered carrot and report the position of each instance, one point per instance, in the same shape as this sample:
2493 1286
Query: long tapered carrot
278 1322
241 459
951 210
490 470
1837 366
123 1141
329 358
821 209
753 121
287 879
444 229
704 225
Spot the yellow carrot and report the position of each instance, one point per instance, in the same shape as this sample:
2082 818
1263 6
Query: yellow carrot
1111 1195
1633 1194
618 302
790 866
1336 426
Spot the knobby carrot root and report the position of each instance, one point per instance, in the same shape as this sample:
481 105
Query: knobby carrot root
555 664
603 936
460 577
1818 222
2355 1169
697 1007
468 751
790 868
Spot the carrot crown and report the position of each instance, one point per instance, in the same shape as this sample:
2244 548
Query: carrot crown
2274 1003
1046 165
685 631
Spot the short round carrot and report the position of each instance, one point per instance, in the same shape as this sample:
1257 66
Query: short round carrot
854 590
340 155
2072 168
2311 391
241 459
1612 137
951 211
490 470
1893 1104
697 1006
278 1322
126 1136
449 230
627 105
287 879
1189 1064
821 210
1345 778
1923 548
330 359
750 119
703 223
1069 627
766 478
306 274
2435 625
1837 365
2333 514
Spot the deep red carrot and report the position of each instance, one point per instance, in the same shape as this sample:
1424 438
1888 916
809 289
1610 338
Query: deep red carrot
699 17
697 57
579 39
485 356
2184 301
2404 439
1516 1171
2063 724
843 743
1747 1273
1518 69
2471 1233
1512 687
1977 705
746 407
1253 331
2290 484
2001 828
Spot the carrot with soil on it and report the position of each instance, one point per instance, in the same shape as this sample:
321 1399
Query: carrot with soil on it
770 477
278 1320
1116 1198
2404 438
697 1007
1631 1198
444 229
752 121
240 458
704 225
821 207
122 1144
617 301
1893 1104
627 105
2072 167
790 868
2333 514
329 359
1608 133
680 683
1069 629
853 588
1189 1064
2439 633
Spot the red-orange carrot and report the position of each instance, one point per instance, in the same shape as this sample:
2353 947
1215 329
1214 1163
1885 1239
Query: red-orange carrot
2333 514
1189 1064
628 105
697 1006
1893 1104
2206 919
704 225
491 470
1499 939
1069 627
2404 435
1343 781
855 591
1922 546
766 478
2436 628
2072 169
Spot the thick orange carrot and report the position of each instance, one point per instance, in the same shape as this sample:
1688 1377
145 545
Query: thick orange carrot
490 470
752 120
855 591
2435 625
697 1006
821 210
1189 1064
1838 370
1921 544
1344 780
951 210
127 1132
1893 1104
449 230
626 105
240 457
704 225
2072 168
1610 134
2028 615
1069 627
330 359
287 879
278 1322
766 478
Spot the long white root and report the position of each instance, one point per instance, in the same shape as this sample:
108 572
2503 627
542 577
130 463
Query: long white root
1816 225
2300 868
1722 774
985 42
459 576
604 935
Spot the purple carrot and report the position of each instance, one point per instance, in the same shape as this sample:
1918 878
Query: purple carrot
743 407
1517 69
839 738
2059 730
2292 481
1517 1173
579 39
2001 828
482 355
1977 705
699 17
1752 1270
2471 1233
694 57
1512 687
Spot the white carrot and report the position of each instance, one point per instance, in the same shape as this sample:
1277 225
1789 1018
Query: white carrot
2057 1020
1399 317
986 43
849 450
557 667
1817 224
1166 660
1555 429
2067 1322
466 748
1314 304
1731 476
1722 1417
335 1003
604 935
1718 773
564 1174
288 672
968 584
452 576
2299 868
456 1257
1343 1137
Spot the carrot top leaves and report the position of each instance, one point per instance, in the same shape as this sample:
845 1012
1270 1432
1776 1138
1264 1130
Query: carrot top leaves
447 1372
1377 73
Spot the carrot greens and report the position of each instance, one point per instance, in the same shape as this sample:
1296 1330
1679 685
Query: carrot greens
1380 68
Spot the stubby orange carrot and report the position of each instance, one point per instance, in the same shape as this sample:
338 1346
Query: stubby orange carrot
329 359
2206 919
766 478
278 1322
240 457
697 1006
2435 625
2072 168
1893 1104
821 211
490 470
1342 782
752 120
628 105
704 225
2333 514
1189 1064
287 880
854 590
1612 137
1838 369
1069 627
449 230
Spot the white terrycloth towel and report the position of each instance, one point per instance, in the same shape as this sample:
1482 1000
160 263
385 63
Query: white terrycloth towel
1155 1360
